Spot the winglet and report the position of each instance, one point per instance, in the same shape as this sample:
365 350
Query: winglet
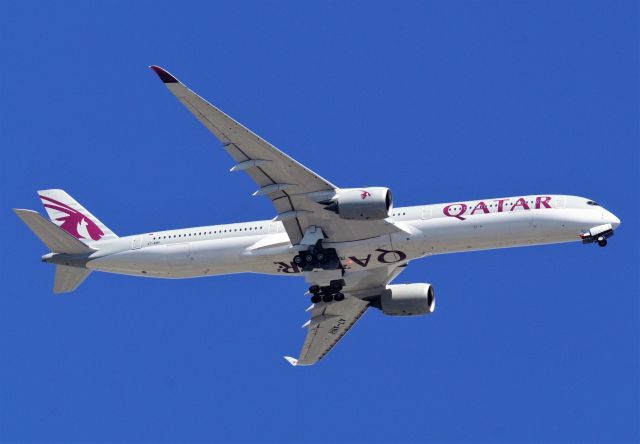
292 361
164 75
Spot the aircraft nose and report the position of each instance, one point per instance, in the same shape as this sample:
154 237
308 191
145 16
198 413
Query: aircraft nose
612 219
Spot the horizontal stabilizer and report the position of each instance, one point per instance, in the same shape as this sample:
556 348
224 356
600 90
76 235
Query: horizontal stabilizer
69 278
54 237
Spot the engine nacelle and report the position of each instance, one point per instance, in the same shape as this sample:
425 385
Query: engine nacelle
372 203
408 300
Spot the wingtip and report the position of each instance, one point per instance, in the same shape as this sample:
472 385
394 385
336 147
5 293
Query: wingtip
164 75
292 361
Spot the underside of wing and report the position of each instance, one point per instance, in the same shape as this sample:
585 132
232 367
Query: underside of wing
330 321
328 324
295 190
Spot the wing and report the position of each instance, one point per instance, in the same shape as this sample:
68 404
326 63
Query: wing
328 324
330 321
293 188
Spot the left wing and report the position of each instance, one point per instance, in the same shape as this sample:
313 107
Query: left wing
330 321
294 189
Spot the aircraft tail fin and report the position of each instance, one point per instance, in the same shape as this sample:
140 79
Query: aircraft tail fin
68 214
54 237
69 278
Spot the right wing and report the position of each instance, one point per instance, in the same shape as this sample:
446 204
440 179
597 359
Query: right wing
330 321
328 324
294 189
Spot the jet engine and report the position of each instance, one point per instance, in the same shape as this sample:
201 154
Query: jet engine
406 300
361 203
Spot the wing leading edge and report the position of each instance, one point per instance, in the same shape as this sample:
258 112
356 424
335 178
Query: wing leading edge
294 189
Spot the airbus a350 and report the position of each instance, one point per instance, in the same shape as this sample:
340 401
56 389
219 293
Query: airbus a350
347 243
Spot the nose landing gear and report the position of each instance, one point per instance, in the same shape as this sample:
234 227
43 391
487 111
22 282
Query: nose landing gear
602 241
598 234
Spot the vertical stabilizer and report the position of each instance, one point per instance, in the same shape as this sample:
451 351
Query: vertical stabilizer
68 214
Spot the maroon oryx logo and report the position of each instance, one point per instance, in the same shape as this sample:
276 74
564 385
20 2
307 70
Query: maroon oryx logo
364 194
75 223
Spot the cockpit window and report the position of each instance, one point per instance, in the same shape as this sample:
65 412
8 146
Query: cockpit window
590 202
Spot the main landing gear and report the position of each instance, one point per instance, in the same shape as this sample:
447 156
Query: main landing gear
317 257
332 292
602 241
326 259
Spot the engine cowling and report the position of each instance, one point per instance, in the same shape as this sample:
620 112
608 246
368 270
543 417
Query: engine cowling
371 203
408 300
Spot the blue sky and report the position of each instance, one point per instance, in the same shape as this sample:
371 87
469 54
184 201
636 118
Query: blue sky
440 101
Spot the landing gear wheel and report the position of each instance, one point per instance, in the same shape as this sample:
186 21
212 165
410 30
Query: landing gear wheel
297 259
309 258
337 285
316 298
327 298
320 257
602 243
314 289
339 297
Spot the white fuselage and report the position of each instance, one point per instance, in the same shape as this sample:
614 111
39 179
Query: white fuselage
264 247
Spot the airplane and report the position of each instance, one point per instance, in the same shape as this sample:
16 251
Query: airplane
348 243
